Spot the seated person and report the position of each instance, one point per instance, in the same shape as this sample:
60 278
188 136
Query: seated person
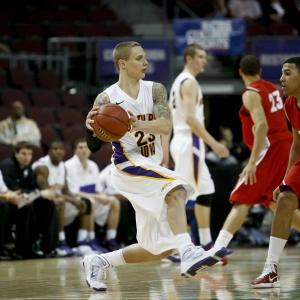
51 173
36 221
82 178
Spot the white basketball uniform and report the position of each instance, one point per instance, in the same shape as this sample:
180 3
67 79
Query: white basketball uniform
3 187
85 180
104 184
136 172
57 179
187 149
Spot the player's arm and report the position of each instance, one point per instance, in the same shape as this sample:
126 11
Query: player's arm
161 124
295 150
41 175
94 144
252 102
189 95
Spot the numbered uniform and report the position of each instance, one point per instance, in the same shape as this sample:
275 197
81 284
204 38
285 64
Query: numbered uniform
136 172
85 180
273 159
291 180
57 179
187 149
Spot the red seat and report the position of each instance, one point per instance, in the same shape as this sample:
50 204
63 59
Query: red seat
120 29
63 29
37 153
28 46
23 79
72 133
78 100
256 28
48 136
3 79
11 95
103 15
103 156
5 151
72 15
92 29
28 30
42 116
49 80
4 112
68 117
45 99
7 15
6 31
42 15
281 28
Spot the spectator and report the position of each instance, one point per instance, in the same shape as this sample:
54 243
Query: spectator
274 11
250 10
82 178
17 128
35 222
6 197
51 173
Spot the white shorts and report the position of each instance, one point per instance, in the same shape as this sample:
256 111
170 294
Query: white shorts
189 159
71 212
101 213
146 192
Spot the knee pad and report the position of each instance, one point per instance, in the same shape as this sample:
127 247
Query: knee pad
204 200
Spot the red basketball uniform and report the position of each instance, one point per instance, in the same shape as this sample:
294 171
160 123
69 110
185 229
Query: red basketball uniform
291 179
273 160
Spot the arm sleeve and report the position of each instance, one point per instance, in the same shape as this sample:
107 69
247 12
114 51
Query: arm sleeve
94 144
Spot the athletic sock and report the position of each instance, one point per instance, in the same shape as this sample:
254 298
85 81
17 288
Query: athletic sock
183 243
223 239
205 236
115 258
276 247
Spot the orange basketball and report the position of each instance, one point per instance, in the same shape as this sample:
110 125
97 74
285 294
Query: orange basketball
110 123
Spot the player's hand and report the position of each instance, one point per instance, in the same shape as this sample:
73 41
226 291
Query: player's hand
81 206
89 120
276 194
133 121
221 150
48 194
249 174
15 197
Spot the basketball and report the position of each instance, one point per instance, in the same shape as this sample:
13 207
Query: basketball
110 123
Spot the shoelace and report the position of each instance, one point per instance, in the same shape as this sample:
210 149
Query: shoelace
267 269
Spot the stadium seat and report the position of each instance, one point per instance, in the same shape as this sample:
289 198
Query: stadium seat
23 79
67 117
6 31
42 15
256 28
46 99
78 100
28 46
72 15
72 133
103 156
4 112
92 29
103 15
10 95
27 30
62 29
7 15
281 28
38 152
49 80
3 79
5 151
120 29
48 135
42 116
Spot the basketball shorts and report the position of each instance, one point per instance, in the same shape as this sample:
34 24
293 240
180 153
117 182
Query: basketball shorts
270 170
71 212
189 158
291 180
145 185
101 213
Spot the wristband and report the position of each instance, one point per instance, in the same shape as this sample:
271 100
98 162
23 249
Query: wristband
7 196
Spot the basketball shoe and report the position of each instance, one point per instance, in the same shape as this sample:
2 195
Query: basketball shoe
95 267
211 244
269 277
175 258
194 259
63 249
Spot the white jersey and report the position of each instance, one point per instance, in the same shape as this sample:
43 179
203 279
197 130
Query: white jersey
3 187
187 149
136 146
80 179
180 126
104 184
57 174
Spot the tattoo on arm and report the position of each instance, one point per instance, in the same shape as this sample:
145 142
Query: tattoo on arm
101 99
160 100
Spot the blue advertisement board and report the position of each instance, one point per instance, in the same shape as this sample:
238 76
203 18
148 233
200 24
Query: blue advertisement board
157 55
216 36
272 53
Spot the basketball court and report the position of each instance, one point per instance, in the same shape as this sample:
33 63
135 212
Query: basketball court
64 278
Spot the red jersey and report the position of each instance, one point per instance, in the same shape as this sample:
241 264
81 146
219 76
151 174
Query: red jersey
271 98
293 112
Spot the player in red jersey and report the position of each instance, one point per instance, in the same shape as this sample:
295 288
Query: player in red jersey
287 194
266 133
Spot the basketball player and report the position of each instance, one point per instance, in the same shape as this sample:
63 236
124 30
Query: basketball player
189 135
157 194
82 178
50 172
287 194
266 133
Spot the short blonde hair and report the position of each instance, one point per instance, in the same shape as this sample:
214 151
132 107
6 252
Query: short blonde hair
123 51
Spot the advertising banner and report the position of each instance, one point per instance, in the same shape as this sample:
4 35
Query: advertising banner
216 36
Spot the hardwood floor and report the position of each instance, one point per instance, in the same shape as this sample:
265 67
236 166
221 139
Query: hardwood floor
64 278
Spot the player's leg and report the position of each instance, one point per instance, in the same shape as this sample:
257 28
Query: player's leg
233 222
287 203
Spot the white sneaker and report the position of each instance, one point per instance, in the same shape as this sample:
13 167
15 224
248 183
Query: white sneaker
95 266
196 259
85 250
